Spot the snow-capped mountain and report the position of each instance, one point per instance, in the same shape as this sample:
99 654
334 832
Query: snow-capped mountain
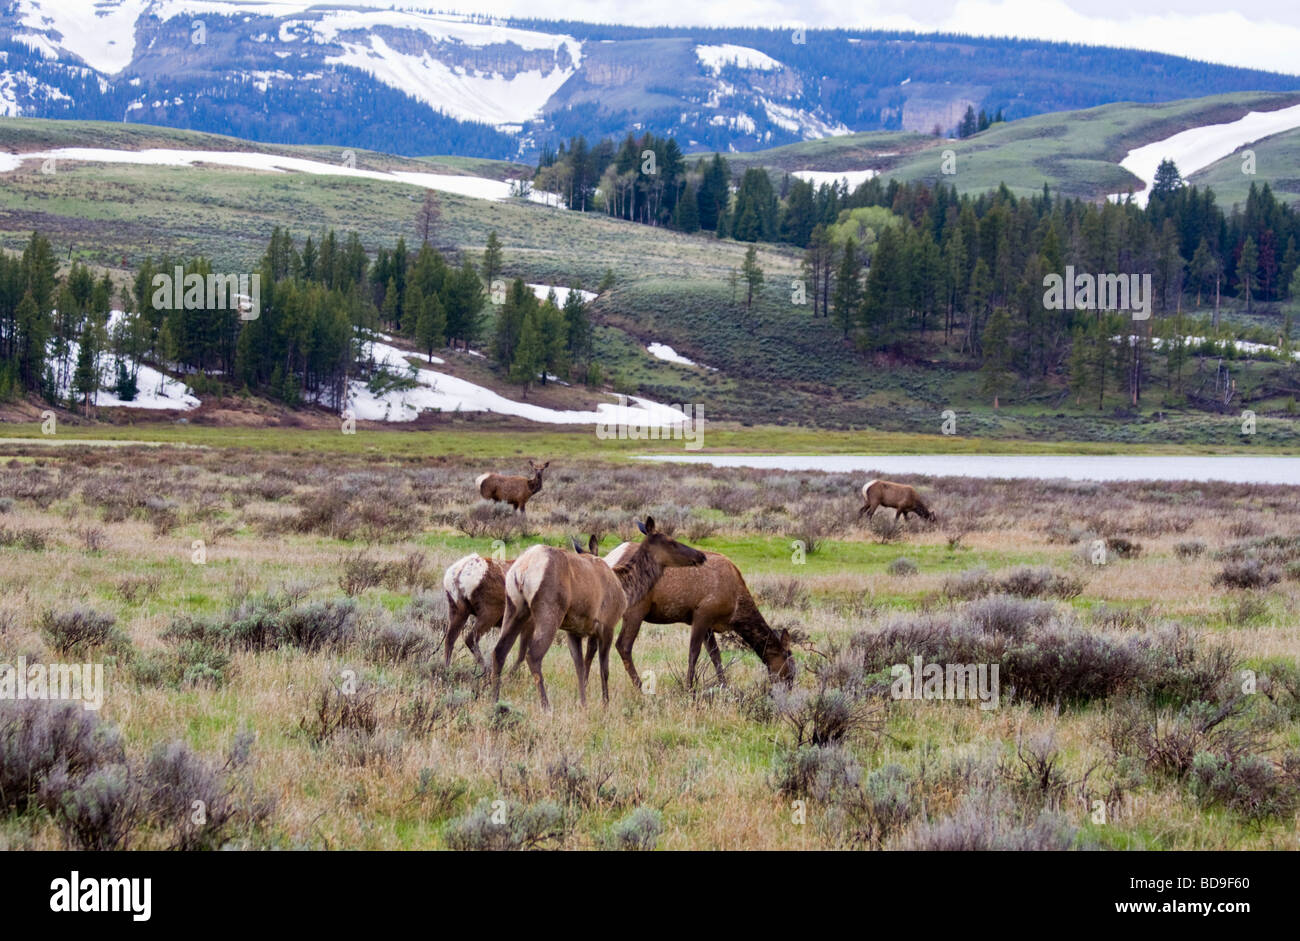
389 75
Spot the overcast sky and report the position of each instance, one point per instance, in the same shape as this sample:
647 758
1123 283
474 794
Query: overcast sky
1256 34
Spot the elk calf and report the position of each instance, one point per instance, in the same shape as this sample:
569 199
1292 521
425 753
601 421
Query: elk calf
901 497
513 490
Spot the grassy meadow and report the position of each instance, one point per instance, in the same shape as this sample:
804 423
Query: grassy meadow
293 681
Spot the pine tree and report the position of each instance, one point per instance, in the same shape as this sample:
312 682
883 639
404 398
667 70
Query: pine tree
1247 262
431 329
686 217
492 258
529 355
848 287
85 381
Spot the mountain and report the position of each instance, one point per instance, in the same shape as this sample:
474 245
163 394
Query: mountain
410 82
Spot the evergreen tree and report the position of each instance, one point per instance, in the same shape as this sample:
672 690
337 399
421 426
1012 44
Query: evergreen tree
431 329
1247 263
85 381
686 217
529 354
492 258
848 287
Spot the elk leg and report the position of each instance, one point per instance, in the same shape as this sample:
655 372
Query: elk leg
626 638
536 650
606 641
459 615
514 622
591 653
575 648
698 630
711 645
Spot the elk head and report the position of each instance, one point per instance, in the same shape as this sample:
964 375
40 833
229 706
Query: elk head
780 659
666 551
535 481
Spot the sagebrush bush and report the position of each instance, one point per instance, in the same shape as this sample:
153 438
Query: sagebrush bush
1247 573
512 827
1248 785
902 567
987 820
638 831
38 737
80 629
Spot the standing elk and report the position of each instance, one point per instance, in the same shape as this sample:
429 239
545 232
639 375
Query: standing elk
516 491
901 497
474 585
550 589
711 599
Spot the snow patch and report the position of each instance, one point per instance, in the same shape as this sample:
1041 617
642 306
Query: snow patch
475 186
561 294
1198 147
855 178
439 391
715 57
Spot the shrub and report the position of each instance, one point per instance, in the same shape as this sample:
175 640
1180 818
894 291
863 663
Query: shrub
1040 581
38 737
79 629
1247 785
822 772
986 820
638 831
33 540
523 827
99 811
1190 549
1247 573
902 567
360 573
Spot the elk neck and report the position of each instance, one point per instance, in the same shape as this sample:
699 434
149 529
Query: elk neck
638 574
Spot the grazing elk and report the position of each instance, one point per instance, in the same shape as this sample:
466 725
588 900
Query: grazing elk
712 598
474 585
516 491
550 589
901 497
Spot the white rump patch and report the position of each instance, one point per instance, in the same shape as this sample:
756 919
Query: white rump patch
478 481
868 485
619 553
464 576
528 573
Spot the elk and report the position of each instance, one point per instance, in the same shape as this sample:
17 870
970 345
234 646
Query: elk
550 589
474 585
516 491
901 497
712 598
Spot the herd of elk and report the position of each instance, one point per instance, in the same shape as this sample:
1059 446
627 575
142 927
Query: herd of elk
516 491
550 589
659 580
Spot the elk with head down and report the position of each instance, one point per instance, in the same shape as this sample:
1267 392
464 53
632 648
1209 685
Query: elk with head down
712 598
550 589
901 497
516 491
474 585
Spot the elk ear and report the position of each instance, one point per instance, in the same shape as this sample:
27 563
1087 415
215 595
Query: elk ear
785 638
593 545
641 526
531 464
576 548
546 465
649 526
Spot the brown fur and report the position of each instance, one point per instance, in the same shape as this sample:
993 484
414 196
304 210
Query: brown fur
516 491
550 589
901 497
487 603
712 598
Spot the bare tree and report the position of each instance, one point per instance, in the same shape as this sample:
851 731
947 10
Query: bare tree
426 219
